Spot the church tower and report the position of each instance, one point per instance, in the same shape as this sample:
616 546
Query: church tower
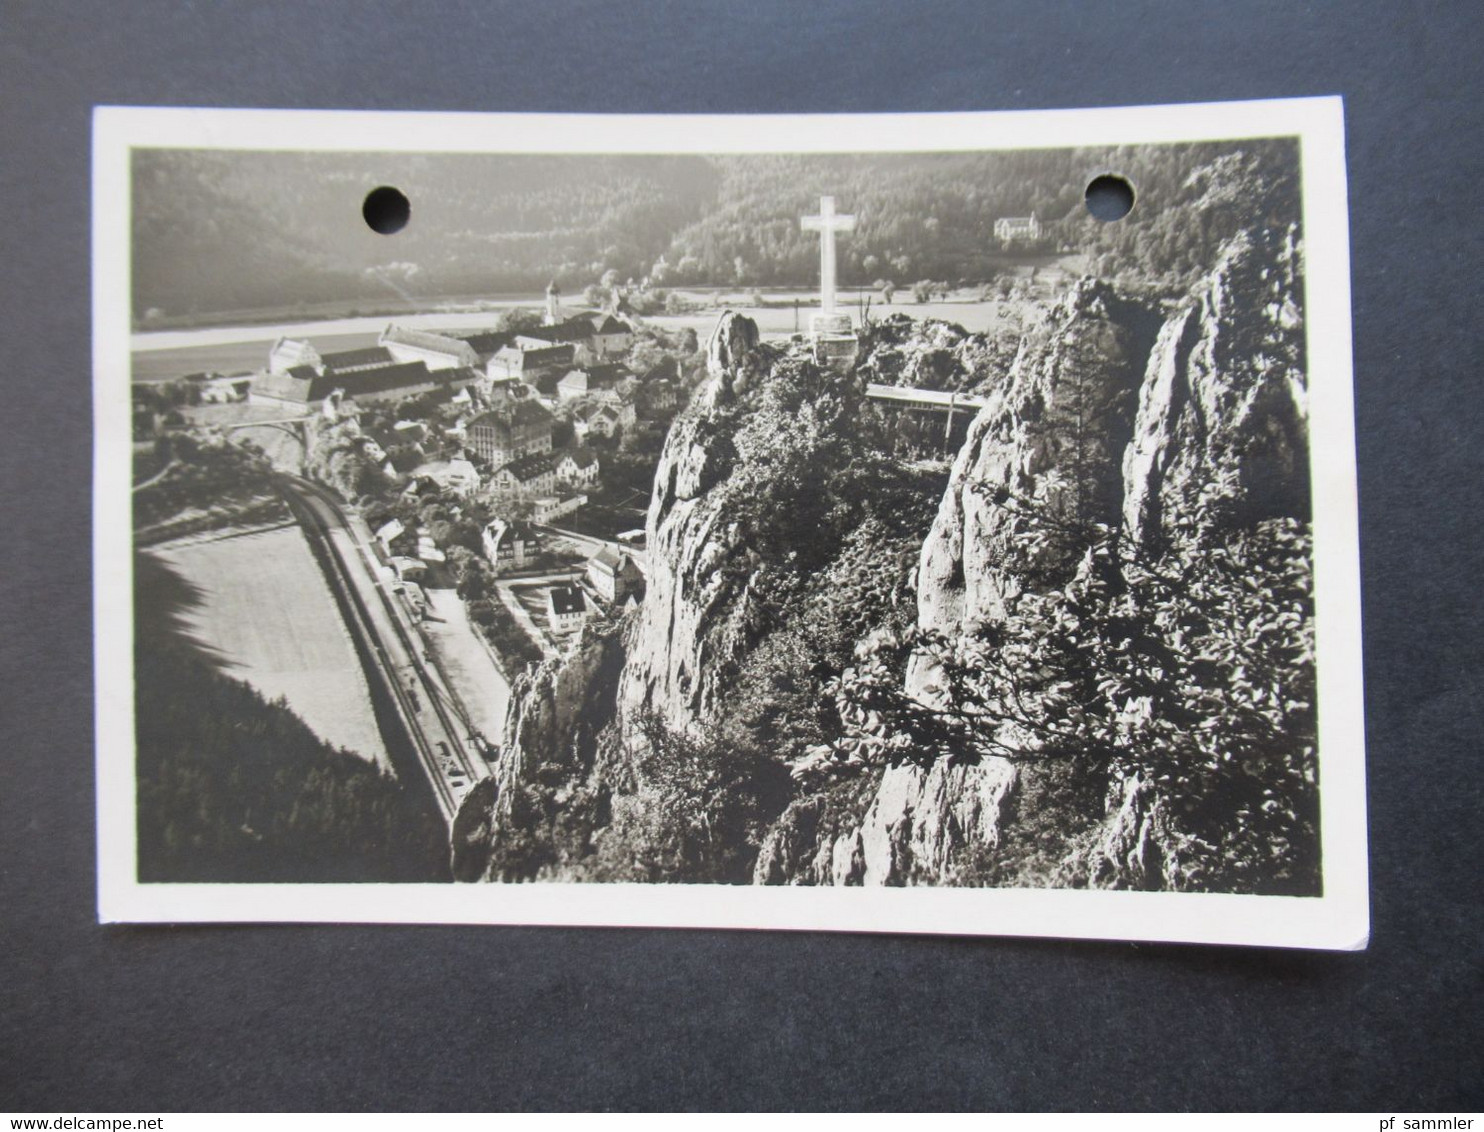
553 293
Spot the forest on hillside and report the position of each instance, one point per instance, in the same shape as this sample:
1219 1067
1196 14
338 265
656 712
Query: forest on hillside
223 230
233 788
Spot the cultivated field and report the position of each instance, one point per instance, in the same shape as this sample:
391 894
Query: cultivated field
267 610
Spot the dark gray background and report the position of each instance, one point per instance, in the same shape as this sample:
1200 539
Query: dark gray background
371 1018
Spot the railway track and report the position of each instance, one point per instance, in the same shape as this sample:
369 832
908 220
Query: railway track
390 649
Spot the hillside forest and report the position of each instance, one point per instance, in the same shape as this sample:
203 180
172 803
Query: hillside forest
290 225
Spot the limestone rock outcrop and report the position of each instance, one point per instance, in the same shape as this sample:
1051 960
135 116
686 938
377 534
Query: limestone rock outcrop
549 752
1115 414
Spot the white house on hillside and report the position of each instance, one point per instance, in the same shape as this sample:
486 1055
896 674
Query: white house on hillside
566 608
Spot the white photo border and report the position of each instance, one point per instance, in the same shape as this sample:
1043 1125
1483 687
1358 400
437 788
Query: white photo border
1339 919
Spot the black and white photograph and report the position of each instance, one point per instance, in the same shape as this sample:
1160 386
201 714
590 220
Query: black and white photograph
939 523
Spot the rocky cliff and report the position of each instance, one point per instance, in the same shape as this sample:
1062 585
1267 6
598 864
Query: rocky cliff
1056 425
533 817
1111 421
1030 604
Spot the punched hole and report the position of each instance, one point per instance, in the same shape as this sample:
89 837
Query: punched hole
1109 197
386 210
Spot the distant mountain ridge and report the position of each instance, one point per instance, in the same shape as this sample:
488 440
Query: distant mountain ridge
217 230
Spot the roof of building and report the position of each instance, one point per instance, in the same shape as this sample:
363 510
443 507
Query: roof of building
299 347
384 379
442 470
526 412
666 367
596 377
582 456
509 389
367 357
513 527
304 385
485 342
578 329
286 386
530 466
505 532
590 412
566 599
612 561
535 349
606 324
431 341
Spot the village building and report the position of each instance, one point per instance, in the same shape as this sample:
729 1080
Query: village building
507 545
530 358
566 609
593 335
601 382
510 431
304 387
485 343
458 476
615 575
289 353
575 334
388 533
550 507
437 351
408 569
659 394
610 336
601 420
526 477
504 390
428 550
1013 229
578 467
353 361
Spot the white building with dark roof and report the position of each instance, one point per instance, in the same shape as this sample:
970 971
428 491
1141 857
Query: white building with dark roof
601 420
507 545
566 609
578 467
526 477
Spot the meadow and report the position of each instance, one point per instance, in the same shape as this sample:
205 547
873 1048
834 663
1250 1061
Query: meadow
268 613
